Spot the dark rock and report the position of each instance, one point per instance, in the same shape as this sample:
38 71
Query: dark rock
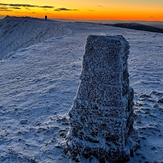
160 100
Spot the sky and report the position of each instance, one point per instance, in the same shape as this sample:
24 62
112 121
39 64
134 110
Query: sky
148 10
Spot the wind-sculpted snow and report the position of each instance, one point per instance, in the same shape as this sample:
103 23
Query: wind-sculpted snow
16 33
38 84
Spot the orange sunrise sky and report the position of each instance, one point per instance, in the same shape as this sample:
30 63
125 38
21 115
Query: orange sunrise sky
148 10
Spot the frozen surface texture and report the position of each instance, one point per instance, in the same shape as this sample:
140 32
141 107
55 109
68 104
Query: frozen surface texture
102 114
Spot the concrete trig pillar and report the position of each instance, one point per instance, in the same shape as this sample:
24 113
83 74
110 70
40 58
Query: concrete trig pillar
101 117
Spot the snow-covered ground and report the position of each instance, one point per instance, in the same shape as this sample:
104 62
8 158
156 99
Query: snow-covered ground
38 85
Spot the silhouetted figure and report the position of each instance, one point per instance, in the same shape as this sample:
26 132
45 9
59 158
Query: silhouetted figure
46 17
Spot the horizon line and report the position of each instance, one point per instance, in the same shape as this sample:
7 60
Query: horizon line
81 19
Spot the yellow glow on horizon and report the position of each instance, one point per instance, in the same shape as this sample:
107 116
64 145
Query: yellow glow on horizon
151 10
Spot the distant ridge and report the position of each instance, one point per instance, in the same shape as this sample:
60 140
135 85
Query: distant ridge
137 26
22 32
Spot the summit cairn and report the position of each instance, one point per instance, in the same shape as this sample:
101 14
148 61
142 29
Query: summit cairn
101 117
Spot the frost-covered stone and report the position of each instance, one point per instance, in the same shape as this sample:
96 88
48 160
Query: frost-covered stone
102 113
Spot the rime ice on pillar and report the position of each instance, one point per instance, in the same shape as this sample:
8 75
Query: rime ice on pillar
102 116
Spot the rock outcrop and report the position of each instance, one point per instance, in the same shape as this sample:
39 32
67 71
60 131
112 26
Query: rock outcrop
102 113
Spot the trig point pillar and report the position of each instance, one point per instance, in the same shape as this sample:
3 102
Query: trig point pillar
101 117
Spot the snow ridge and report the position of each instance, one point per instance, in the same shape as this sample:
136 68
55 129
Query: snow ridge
22 32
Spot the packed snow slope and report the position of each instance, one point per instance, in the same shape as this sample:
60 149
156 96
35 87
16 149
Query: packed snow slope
38 85
16 33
